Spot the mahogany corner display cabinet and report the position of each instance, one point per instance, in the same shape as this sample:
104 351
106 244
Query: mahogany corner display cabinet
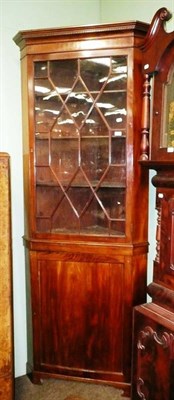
86 198
153 341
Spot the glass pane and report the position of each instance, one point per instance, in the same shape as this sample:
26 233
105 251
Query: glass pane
47 105
82 193
115 176
64 159
97 72
119 65
113 107
64 126
44 176
79 103
42 152
118 150
113 200
118 77
116 82
64 218
94 125
63 74
43 225
40 69
117 228
47 200
94 157
79 179
94 221
94 72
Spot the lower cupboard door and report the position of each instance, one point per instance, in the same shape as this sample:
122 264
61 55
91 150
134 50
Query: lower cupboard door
78 319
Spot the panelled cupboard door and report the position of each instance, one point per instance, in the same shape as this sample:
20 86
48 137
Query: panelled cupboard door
81 315
79 323
85 198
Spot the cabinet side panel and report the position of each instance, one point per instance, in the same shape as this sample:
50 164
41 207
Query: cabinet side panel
26 83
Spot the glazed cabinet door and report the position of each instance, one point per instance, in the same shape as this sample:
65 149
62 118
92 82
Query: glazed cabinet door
80 145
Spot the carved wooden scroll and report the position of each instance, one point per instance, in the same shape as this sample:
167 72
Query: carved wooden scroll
148 354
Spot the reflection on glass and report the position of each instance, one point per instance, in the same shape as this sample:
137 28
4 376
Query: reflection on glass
63 75
47 105
40 69
94 125
110 71
94 71
65 126
113 108
79 103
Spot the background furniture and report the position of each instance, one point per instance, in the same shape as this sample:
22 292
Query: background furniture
85 198
153 372
6 327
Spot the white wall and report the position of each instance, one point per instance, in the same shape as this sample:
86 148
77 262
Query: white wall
15 16
128 10
18 15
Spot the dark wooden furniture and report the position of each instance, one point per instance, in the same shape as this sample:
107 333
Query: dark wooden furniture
85 198
6 320
153 372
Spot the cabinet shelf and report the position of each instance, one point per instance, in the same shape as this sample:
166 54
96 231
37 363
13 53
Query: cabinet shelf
42 136
95 230
82 185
